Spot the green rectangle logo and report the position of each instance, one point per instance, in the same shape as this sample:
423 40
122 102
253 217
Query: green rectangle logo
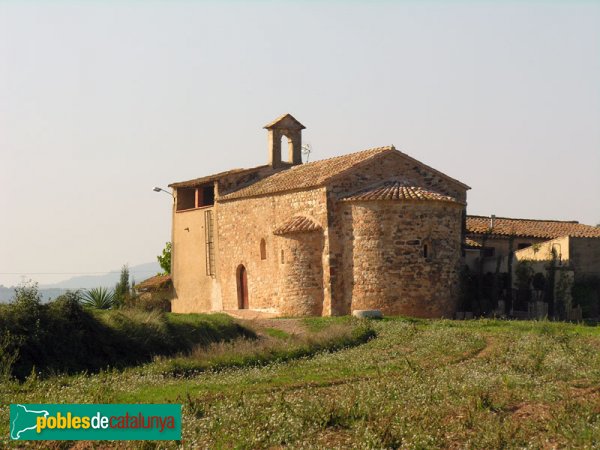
125 422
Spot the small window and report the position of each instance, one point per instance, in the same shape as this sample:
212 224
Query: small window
263 249
425 250
186 198
206 196
524 245
282 258
190 198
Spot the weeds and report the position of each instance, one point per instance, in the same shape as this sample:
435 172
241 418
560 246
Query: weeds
64 337
256 352
419 384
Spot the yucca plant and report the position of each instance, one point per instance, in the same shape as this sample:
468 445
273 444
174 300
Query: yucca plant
99 298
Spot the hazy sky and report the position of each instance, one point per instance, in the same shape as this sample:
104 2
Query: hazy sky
101 101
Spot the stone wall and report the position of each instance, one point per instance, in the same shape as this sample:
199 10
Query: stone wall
585 256
388 166
273 285
396 165
503 246
332 271
581 255
384 261
301 280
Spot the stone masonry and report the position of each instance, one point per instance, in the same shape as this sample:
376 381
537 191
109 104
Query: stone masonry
375 229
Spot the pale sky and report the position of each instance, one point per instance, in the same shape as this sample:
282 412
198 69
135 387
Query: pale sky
101 101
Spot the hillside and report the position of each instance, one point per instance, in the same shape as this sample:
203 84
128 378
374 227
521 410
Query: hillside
139 273
48 291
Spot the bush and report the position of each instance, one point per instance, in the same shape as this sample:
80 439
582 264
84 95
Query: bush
467 289
149 302
524 274
99 298
63 336
586 293
539 281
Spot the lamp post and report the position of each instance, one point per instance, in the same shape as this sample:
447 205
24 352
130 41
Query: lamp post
159 189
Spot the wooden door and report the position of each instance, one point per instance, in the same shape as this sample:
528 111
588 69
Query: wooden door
242 288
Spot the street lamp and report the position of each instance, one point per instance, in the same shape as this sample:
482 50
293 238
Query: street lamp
159 189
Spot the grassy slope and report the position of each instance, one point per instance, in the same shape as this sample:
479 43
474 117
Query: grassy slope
68 339
482 384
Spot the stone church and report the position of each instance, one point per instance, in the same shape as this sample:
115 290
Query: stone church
375 229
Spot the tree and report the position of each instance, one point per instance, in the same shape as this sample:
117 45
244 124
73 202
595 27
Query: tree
165 259
121 291
26 294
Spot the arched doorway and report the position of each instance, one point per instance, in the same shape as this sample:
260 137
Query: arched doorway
242 287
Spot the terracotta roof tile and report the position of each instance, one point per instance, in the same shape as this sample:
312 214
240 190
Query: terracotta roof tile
211 178
282 118
298 224
306 175
545 229
154 283
398 190
471 243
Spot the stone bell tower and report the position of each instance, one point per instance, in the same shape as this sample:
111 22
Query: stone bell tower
289 127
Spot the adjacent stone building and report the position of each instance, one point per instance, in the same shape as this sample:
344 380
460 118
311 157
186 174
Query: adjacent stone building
375 229
566 253
490 239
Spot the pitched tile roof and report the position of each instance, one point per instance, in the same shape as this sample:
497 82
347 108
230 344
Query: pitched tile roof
397 190
154 283
211 178
307 175
283 118
298 224
546 229
471 243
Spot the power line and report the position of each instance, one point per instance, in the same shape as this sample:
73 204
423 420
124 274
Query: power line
74 273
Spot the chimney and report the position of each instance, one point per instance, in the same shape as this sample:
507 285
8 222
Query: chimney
492 221
289 127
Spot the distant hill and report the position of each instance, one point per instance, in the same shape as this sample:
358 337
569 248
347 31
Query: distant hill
48 291
138 273
7 293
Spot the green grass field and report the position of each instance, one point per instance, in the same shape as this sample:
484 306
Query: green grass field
417 384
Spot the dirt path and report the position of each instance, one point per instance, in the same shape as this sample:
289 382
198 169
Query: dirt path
490 346
258 320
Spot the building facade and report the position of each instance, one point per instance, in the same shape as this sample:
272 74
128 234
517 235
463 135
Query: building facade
493 241
375 229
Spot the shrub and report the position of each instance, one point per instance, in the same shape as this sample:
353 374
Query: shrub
63 336
524 274
164 259
539 281
99 298
122 289
586 293
149 302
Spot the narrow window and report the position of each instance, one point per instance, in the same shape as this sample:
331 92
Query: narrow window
425 250
263 249
210 248
282 259
205 196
